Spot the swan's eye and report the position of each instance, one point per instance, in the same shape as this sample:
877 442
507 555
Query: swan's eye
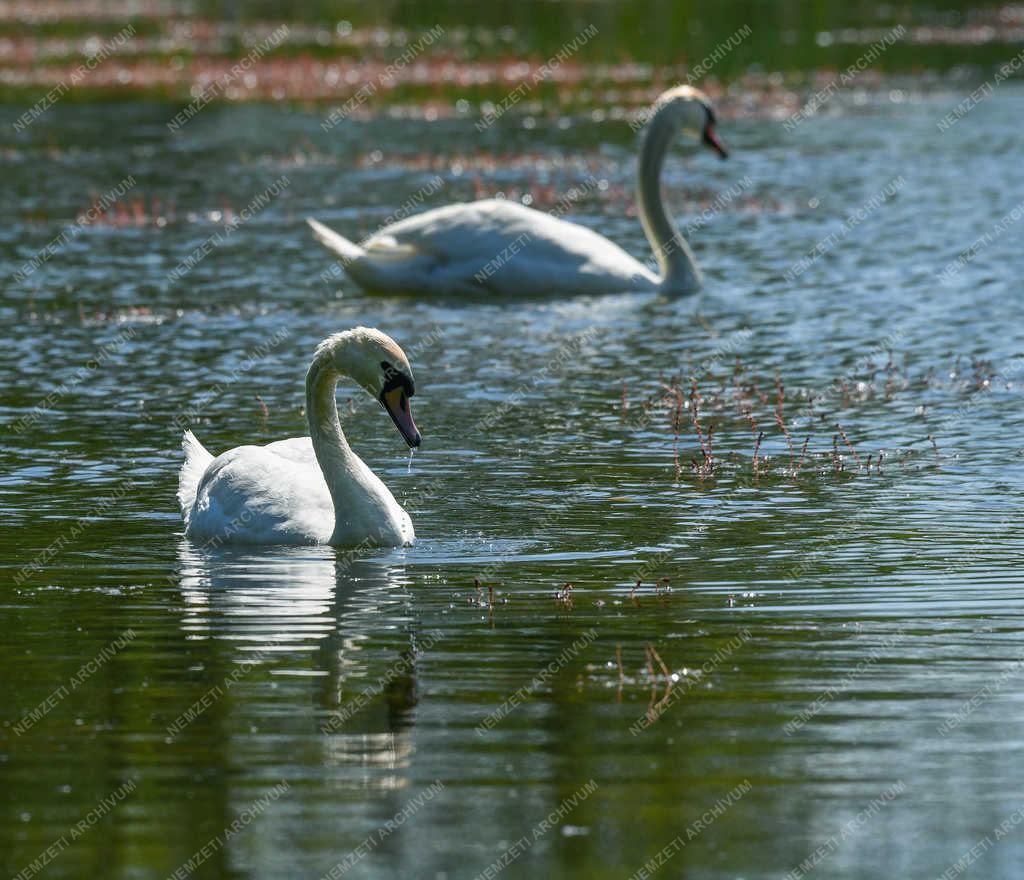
395 378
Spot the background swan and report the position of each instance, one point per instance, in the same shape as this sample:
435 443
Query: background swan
307 490
498 246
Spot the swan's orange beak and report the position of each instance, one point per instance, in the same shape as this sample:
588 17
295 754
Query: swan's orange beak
710 138
396 402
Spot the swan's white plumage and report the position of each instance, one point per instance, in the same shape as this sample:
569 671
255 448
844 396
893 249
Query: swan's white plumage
490 246
501 247
197 459
279 493
274 494
347 251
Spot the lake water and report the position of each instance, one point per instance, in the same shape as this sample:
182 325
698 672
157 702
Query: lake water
267 712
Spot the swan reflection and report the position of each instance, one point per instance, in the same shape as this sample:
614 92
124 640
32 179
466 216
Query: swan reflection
310 619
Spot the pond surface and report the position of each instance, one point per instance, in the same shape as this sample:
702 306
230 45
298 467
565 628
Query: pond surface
265 712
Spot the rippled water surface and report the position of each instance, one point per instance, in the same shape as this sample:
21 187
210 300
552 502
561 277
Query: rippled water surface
825 620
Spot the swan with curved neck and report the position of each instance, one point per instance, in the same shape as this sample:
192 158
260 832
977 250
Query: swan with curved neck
308 490
500 247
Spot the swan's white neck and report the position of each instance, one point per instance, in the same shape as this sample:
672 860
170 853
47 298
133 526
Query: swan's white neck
679 272
343 470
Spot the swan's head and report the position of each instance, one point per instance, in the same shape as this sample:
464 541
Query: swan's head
375 361
688 110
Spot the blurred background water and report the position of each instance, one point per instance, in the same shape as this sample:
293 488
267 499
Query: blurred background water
829 609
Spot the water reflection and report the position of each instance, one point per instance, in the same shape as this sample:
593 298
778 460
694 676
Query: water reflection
258 594
316 620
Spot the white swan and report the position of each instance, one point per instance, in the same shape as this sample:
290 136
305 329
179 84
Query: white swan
307 490
497 246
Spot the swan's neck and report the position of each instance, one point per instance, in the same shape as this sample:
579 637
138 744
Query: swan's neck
679 272
342 468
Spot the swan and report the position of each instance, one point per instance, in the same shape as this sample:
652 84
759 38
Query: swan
502 247
307 490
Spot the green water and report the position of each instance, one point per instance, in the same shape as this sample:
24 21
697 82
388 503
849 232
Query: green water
267 712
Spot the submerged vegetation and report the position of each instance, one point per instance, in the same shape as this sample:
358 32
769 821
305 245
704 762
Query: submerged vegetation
740 399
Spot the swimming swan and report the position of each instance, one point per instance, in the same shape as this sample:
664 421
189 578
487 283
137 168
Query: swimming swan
502 247
307 490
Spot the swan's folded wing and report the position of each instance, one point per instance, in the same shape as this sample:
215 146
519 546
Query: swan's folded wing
264 494
503 246
456 233
387 247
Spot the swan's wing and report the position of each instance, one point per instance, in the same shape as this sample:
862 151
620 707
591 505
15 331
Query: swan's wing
497 246
295 449
264 494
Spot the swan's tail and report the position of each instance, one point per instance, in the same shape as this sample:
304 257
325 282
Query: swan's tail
197 459
347 251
